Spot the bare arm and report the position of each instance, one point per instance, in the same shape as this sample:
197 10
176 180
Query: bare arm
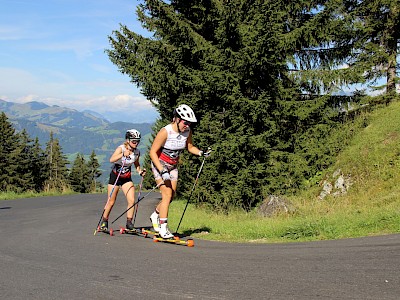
158 143
137 165
191 148
116 155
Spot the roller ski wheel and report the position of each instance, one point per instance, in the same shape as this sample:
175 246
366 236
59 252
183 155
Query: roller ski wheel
136 231
107 231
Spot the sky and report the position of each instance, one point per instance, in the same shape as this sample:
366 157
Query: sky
53 51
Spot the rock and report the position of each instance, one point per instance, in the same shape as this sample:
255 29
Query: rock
274 205
340 186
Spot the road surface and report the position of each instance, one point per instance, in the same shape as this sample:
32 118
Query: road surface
48 251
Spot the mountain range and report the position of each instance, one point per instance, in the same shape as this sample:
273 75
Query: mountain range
77 132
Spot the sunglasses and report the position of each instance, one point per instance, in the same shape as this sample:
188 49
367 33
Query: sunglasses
187 123
134 141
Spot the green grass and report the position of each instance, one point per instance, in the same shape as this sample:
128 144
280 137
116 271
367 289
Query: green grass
316 221
12 195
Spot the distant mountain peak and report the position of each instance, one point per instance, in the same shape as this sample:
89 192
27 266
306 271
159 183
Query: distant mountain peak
56 115
36 105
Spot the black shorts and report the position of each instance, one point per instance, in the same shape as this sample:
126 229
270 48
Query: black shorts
120 182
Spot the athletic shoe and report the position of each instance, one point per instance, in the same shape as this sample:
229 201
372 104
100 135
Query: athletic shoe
164 231
129 225
155 221
104 225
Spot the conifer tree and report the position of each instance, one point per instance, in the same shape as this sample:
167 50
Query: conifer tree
93 172
38 165
57 173
78 176
23 157
8 146
378 43
339 43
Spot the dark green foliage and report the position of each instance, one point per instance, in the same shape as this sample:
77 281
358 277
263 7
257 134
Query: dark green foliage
38 165
57 172
344 42
79 175
8 148
22 156
93 173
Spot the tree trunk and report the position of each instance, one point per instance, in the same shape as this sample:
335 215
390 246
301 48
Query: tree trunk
393 38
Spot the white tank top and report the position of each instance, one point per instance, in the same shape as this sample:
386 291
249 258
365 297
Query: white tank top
173 146
130 160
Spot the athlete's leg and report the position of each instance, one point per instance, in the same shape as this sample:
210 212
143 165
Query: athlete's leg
129 190
111 201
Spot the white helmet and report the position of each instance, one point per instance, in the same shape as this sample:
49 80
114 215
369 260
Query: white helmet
132 134
185 113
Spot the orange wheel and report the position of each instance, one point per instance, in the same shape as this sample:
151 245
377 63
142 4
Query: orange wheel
155 240
111 232
121 231
190 243
176 238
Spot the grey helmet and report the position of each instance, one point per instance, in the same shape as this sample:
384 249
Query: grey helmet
132 134
184 112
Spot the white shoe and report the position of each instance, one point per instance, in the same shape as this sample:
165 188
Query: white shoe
164 231
155 221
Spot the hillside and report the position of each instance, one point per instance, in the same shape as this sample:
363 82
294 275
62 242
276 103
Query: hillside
370 166
78 132
373 158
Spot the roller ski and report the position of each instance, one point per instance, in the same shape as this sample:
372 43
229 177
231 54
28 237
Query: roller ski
174 240
135 231
164 235
104 228
130 229
146 232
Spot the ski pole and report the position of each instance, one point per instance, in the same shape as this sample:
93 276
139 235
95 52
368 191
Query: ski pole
194 185
137 201
137 207
109 197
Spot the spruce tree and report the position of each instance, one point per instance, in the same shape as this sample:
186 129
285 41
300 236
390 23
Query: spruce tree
339 43
23 155
8 147
377 42
38 165
93 173
78 176
57 173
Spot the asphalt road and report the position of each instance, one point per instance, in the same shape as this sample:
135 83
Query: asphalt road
48 251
